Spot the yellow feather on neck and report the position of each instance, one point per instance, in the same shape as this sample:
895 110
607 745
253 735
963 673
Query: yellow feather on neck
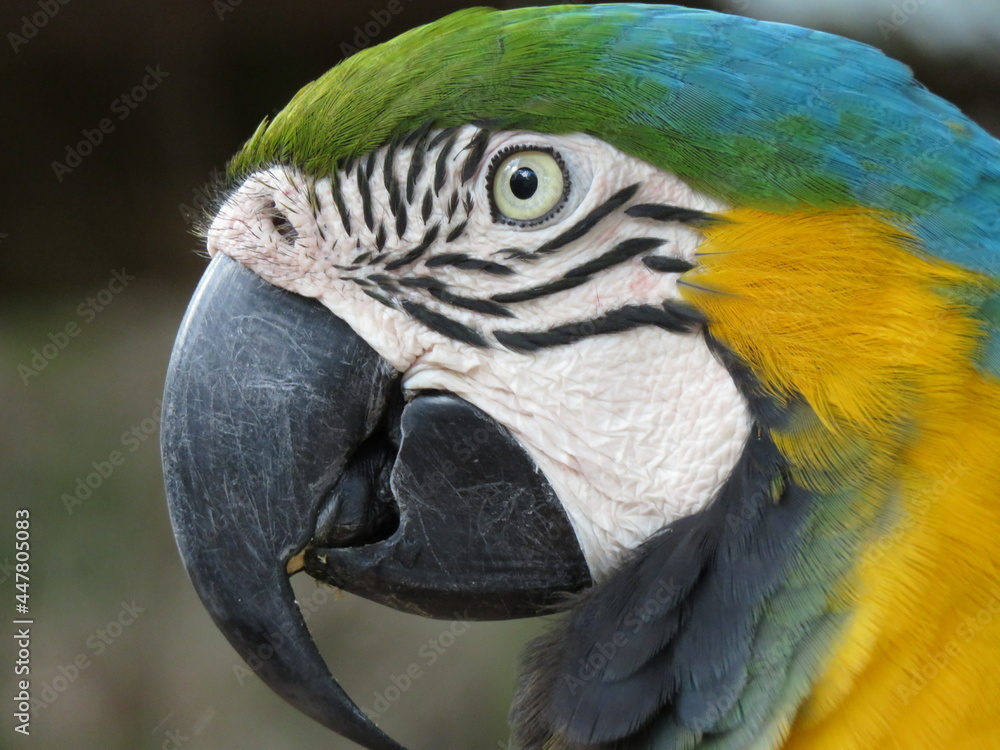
840 308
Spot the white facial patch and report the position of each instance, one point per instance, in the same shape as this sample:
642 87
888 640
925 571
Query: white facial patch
568 331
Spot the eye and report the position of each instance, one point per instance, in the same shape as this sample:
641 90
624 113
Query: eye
527 185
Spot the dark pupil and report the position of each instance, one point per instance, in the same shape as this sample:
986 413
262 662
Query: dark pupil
523 183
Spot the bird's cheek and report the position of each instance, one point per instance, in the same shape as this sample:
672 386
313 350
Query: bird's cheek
400 340
642 283
445 366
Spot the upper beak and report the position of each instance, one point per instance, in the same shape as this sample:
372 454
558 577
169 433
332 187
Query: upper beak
285 433
251 441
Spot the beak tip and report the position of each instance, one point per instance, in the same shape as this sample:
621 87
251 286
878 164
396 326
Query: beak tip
296 563
244 437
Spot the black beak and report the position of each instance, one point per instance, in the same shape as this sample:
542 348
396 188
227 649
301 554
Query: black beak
286 436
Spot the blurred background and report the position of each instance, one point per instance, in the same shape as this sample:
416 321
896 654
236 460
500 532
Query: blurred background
98 264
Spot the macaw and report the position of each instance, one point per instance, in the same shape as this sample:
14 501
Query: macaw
682 323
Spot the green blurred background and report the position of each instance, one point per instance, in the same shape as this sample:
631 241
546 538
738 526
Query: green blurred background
123 655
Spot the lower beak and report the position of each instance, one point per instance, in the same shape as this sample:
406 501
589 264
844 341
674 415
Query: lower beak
287 444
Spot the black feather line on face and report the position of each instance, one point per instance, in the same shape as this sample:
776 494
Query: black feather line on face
456 232
412 255
388 173
591 220
441 165
379 298
666 212
620 253
441 136
514 253
366 199
486 266
446 259
445 325
400 216
467 263
477 149
452 205
542 290
427 206
338 201
419 140
421 282
671 316
370 164
419 135
470 303
662 264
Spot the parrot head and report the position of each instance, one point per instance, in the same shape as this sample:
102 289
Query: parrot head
683 323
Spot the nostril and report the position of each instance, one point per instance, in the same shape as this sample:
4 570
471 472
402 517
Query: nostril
282 225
